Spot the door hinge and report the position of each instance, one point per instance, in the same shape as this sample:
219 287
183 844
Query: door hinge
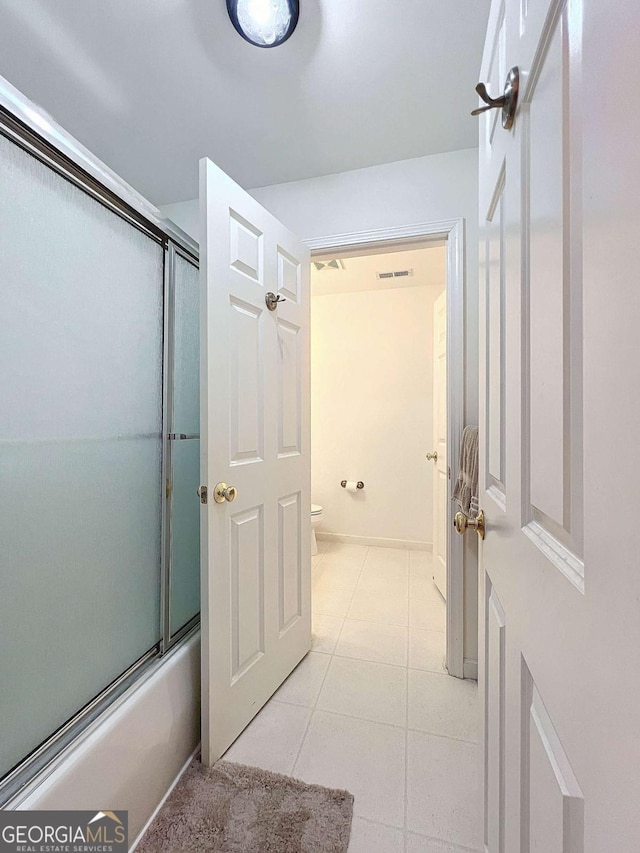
202 494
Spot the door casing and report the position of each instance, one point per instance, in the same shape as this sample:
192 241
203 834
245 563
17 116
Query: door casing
453 232
439 445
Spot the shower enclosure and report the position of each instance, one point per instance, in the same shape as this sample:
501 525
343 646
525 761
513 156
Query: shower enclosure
99 442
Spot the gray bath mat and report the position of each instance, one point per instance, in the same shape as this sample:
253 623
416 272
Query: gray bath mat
236 809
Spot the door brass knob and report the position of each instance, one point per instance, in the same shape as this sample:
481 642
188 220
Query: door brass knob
462 522
433 456
224 493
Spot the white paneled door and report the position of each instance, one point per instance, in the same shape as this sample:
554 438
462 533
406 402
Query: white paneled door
256 553
440 472
560 459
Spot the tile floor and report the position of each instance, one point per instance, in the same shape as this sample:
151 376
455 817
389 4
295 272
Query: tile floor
371 708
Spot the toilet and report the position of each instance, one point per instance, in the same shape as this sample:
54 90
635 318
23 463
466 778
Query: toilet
316 519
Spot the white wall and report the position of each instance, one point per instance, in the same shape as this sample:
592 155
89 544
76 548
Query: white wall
426 189
372 412
186 215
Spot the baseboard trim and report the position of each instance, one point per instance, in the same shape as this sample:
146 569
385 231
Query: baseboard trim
470 669
164 799
374 541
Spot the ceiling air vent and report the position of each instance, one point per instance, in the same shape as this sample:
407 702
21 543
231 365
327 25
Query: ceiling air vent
395 274
329 265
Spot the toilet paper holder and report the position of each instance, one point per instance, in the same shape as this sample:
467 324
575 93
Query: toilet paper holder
359 484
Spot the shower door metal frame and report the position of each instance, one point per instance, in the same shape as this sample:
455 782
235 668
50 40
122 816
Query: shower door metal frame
168 640
32 129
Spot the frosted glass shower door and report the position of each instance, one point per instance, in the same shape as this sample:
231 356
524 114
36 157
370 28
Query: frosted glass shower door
80 448
184 525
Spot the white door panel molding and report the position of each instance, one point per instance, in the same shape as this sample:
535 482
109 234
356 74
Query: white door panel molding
256 552
559 314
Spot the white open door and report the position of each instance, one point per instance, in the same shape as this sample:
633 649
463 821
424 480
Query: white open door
560 458
256 553
440 474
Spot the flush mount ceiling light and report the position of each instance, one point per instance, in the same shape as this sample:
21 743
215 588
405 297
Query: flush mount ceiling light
264 23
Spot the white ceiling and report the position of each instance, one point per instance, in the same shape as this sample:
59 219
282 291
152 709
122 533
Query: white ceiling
150 86
429 267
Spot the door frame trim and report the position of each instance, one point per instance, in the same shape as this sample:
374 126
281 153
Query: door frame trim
453 231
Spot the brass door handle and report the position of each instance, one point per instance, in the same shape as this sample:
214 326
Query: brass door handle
433 456
224 493
462 522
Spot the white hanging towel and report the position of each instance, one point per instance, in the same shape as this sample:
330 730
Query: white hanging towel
466 487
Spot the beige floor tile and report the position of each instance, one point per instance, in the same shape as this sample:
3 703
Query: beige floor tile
427 649
359 688
373 641
327 579
371 607
344 709
273 739
443 705
442 789
366 758
390 561
427 613
325 631
316 559
370 837
348 551
340 569
384 583
331 601
422 844
303 685
421 584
